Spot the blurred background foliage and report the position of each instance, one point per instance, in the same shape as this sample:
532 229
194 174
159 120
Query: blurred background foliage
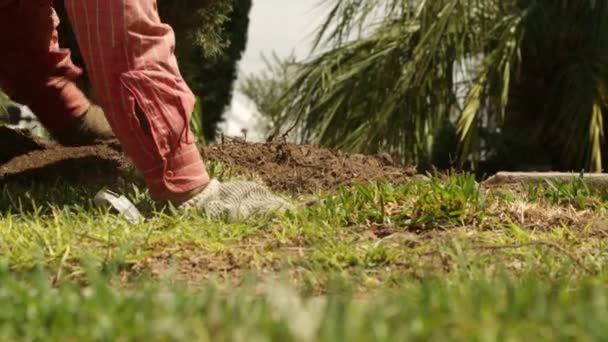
483 84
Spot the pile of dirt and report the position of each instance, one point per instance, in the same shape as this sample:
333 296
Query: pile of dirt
283 167
303 168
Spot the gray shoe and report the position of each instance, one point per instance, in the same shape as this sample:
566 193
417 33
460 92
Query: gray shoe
236 200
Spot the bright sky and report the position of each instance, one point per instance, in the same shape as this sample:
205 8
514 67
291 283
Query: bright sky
282 26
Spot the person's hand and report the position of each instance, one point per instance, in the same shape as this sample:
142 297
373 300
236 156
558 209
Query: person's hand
236 200
92 127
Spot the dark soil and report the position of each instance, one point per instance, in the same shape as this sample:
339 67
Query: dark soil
26 159
16 143
303 168
284 167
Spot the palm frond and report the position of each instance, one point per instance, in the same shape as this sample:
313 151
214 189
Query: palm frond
393 71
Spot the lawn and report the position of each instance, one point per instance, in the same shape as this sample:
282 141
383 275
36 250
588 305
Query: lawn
441 258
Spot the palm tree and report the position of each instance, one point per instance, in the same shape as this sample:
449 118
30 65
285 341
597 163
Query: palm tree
524 77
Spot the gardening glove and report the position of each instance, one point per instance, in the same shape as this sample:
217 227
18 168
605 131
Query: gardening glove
90 128
236 200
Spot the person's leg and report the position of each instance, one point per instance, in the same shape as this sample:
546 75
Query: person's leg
129 55
33 69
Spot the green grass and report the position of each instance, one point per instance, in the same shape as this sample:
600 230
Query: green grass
438 259
497 308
